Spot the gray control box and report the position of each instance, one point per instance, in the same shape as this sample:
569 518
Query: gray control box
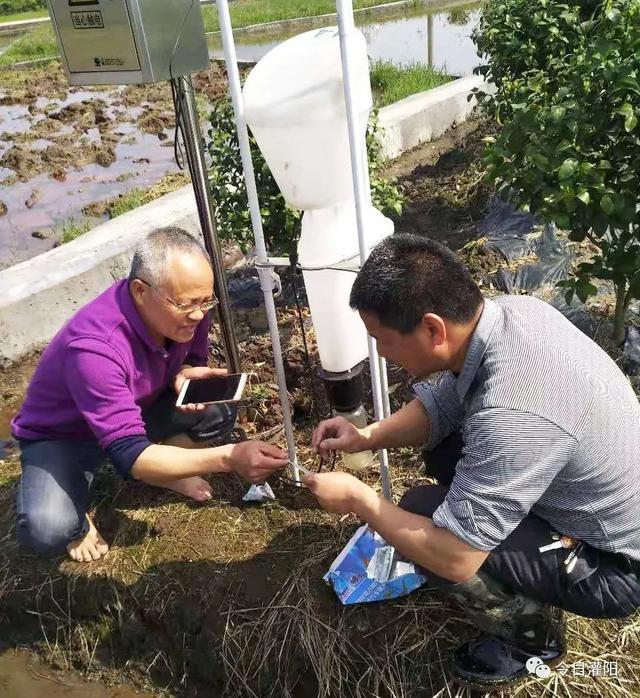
120 42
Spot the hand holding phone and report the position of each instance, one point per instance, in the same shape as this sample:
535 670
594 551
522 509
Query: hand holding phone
211 390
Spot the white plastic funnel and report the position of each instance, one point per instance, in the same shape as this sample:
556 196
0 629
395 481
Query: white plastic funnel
294 105
328 236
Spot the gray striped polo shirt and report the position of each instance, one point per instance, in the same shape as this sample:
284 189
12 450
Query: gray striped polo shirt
550 425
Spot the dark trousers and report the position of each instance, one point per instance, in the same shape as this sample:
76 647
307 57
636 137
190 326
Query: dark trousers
601 585
57 475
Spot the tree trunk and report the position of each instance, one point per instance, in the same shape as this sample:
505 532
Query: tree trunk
620 313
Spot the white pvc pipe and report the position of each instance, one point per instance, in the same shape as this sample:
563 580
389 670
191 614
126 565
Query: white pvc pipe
357 146
265 274
384 385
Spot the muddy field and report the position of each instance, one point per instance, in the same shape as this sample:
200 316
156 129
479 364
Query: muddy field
65 152
225 598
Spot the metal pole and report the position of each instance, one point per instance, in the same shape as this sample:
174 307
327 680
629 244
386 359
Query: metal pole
357 147
430 41
266 274
195 157
384 386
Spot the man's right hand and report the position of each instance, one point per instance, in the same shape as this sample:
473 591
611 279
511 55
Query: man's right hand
337 434
255 461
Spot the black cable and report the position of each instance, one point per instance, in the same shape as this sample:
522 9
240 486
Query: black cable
178 153
293 258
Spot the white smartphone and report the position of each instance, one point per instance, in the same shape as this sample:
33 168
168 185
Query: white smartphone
212 390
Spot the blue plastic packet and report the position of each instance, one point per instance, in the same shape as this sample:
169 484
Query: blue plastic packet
368 569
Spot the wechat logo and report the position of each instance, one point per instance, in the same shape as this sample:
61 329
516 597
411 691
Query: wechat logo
536 666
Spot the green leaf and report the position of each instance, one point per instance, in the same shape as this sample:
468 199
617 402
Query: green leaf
634 286
625 110
557 113
567 169
606 204
577 235
630 123
584 289
541 161
612 14
600 225
584 197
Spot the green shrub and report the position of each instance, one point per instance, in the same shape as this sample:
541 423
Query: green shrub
10 7
569 149
281 224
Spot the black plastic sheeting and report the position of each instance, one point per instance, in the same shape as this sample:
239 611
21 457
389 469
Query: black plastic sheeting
245 292
631 351
244 288
515 234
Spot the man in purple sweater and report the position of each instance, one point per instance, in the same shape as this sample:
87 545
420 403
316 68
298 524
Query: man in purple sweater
106 388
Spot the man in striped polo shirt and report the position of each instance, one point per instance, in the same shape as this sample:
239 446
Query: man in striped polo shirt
533 434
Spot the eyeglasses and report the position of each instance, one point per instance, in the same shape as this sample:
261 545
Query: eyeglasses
186 309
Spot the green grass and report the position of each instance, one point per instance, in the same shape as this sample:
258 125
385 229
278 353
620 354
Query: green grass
246 12
73 229
32 14
127 202
391 83
36 43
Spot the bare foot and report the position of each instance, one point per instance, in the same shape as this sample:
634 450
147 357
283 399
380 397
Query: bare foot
91 547
195 487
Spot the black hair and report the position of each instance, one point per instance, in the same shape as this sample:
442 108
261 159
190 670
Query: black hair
407 276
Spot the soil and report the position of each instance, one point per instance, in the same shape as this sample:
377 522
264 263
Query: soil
442 181
227 598
78 147
66 127
22 675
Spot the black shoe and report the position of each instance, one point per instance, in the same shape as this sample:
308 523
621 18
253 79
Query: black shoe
488 663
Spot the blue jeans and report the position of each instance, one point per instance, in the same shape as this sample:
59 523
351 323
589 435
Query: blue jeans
55 488
55 492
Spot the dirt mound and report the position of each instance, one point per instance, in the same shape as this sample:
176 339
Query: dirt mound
442 181
153 121
23 161
212 82
104 156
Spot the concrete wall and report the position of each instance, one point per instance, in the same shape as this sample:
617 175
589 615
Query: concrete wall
39 295
425 116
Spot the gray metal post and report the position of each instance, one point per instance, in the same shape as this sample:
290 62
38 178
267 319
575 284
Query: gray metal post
199 179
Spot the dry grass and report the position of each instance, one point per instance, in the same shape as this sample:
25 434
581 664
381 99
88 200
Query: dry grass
400 648
228 599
